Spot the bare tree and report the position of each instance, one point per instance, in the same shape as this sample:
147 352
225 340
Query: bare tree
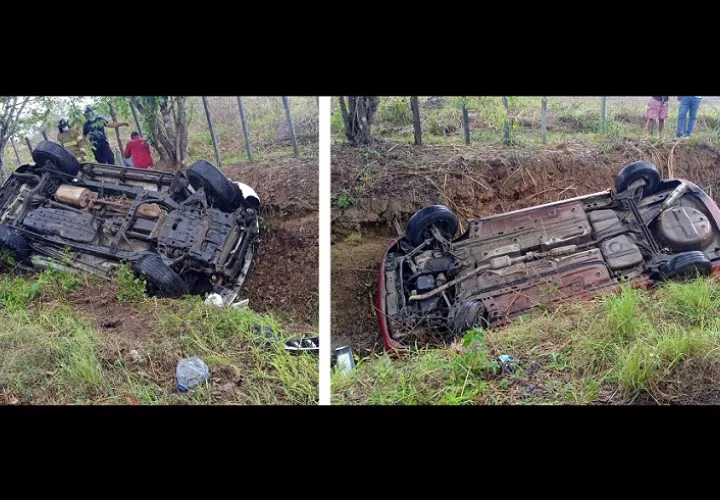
166 118
11 108
359 118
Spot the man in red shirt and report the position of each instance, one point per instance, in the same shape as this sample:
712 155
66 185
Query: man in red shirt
138 151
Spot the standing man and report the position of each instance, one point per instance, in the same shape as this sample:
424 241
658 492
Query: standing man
688 106
138 151
71 139
94 130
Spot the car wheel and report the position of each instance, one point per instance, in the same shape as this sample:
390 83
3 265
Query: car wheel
636 171
468 315
419 226
161 280
14 247
58 156
687 265
221 192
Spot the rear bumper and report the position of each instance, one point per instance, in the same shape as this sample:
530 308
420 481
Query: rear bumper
390 344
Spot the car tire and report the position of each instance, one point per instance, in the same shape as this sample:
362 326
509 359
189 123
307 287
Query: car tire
13 244
161 280
61 158
686 265
419 225
468 315
221 192
635 171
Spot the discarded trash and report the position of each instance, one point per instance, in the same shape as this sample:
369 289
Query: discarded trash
214 299
265 331
190 372
343 359
242 304
506 362
134 356
303 345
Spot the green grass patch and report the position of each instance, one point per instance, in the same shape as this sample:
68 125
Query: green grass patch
659 345
51 354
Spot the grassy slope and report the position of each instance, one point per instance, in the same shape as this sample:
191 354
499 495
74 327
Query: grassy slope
661 345
52 354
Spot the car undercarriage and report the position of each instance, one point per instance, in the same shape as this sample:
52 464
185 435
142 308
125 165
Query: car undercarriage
503 266
191 233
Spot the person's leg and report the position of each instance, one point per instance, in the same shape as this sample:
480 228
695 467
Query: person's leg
652 115
129 162
97 153
682 116
692 111
662 116
109 155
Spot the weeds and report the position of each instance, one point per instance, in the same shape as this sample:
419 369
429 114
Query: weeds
130 288
664 343
51 354
345 198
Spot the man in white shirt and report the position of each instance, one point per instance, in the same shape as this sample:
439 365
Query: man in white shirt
687 114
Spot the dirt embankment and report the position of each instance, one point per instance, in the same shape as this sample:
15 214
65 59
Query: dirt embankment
381 188
284 277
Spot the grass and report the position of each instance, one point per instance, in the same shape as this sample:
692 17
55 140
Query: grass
52 354
661 345
570 119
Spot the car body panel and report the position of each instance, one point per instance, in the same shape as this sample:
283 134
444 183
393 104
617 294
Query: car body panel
562 251
107 214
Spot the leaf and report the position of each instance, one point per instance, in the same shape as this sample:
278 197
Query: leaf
132 400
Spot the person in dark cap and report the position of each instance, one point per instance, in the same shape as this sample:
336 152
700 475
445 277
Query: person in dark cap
94 131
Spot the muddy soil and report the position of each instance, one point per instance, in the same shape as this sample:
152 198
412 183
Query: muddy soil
382 187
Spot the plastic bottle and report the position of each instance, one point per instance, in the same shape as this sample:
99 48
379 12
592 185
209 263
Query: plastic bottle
190 372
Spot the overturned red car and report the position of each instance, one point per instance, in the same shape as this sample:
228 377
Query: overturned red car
434 285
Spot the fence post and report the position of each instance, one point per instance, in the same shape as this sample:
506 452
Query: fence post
17 156
27 141
137 122
543 119
246 132
466 122
290 124
414 106
603 101
506 125
44 134
212 129
113 115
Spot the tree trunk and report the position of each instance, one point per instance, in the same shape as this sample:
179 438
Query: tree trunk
360 118
415 107
3 170
346 120
168 134
506 125
466 122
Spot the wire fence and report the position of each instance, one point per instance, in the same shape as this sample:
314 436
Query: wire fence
438 119
228 129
